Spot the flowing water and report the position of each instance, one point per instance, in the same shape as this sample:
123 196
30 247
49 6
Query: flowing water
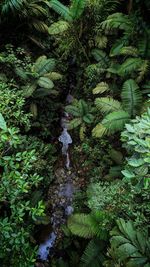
65 190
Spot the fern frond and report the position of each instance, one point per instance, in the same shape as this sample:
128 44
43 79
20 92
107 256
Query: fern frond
61 9
99 131
131 97
101 88
101 41
39 25
130 65
107 104
92 255
115 121
100 56
80 224
129 51
117 21
72 109
143 70
77 8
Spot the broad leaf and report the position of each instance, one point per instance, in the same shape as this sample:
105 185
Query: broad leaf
2 123
131 97
45 82
58 27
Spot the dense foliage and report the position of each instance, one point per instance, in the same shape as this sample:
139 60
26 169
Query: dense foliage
97 53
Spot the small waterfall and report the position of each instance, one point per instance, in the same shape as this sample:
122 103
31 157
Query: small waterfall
44 249
66 190
65 139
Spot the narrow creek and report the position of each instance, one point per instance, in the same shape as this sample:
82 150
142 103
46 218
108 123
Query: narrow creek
65 190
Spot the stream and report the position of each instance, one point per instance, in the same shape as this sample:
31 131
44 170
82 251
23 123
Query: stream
61 209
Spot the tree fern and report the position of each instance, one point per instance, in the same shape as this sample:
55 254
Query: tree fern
131 97
107 104
115 121
92 256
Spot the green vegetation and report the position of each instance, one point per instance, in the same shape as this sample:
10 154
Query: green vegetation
97 53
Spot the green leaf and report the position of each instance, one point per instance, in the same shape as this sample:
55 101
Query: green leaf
45 82
99 130
29 89
43 65
77 8
80 224
115 121
101 88
107 104
61 9
58 27
88 118
100 55
131 97
129 66
74 123
2 123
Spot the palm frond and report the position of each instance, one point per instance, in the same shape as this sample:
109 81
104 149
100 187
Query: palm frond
12 6
131 97
118 21
115 121
61 9
107 104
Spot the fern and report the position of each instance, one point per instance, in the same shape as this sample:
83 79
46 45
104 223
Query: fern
130 65
92 256
99 131
115 121
107 104
61 9
131 97
101 88
118 21
80 224
143 70
100 56
89 225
